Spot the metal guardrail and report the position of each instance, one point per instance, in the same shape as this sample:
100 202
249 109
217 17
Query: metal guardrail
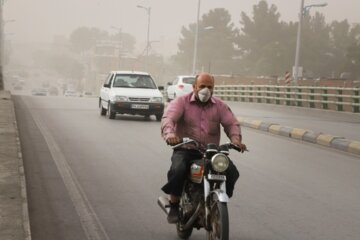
331 98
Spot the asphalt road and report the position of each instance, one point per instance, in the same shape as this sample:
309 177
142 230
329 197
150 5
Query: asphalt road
89 177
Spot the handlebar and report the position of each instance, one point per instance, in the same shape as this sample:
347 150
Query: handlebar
187 140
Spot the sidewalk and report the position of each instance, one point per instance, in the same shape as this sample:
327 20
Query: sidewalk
14 218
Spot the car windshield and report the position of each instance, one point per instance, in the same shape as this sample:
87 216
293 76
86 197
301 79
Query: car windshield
133 81
189 80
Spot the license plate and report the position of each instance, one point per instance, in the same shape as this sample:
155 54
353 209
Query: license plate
139 106
217 177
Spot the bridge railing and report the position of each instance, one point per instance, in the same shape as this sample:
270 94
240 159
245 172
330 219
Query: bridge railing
332 98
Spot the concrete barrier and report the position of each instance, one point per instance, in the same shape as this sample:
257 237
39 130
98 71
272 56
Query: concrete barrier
336 142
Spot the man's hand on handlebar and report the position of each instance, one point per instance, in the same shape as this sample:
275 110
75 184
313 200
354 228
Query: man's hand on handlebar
240 147
243 147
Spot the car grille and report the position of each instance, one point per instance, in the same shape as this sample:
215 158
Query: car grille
135 99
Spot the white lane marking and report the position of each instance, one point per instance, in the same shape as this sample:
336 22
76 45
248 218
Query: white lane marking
90 223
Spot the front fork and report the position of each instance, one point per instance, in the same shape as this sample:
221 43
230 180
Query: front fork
218 194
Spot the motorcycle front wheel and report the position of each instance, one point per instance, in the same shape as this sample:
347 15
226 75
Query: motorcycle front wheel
219 222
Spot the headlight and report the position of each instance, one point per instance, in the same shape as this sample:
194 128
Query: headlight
118 99
156 99
220 162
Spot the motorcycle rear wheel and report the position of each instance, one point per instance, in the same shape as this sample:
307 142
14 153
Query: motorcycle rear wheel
219 221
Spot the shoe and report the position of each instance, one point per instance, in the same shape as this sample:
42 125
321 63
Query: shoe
173 216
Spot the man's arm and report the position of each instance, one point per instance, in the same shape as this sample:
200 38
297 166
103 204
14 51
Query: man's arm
173 113
231 126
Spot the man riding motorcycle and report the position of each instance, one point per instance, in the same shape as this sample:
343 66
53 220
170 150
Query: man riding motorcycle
197 115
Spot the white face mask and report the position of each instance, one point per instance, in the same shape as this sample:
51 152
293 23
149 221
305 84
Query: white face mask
204 95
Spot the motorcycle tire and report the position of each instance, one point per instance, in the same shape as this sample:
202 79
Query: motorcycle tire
219 222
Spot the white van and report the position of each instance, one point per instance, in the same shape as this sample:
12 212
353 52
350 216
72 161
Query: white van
129 92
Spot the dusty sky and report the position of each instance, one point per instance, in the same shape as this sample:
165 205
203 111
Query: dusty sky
39 20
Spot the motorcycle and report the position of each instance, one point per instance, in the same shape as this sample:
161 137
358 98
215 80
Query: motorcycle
203 203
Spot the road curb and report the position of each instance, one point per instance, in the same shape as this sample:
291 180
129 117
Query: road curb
336 142
354 147
14 213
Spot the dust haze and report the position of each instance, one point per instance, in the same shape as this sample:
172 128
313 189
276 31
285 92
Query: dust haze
40 20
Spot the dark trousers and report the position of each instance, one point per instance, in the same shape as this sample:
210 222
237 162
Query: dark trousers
179 169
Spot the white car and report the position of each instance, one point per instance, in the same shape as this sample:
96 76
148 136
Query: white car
129 92
181 85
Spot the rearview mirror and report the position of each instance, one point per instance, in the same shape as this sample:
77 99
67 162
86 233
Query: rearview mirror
161 87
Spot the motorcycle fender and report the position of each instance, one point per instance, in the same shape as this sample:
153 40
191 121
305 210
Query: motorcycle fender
220 195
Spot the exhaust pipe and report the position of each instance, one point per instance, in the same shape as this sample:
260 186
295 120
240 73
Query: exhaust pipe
164 204
193 218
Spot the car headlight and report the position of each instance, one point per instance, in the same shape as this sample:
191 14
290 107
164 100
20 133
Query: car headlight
220 162
156 99
118 99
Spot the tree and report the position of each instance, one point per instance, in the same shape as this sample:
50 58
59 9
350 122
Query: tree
264 42
345 43
353 60
315 50
127 41
63 64
216 47
83 38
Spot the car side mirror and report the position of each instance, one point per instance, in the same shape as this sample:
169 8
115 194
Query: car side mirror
169 83
106 85
161 87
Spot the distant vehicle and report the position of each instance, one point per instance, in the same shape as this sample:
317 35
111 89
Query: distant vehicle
87 94
71 93
53 91
345 75
39 92
18 87
128 92
181 85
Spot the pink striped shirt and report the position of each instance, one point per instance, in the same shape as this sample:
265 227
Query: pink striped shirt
187 117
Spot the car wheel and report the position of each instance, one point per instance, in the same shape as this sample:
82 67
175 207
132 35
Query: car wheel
158 117
110 112
102 109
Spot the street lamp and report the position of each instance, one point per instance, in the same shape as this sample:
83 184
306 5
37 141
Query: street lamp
196 38
303 11
120 43
307 8
148 11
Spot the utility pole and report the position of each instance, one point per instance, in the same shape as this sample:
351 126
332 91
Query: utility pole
1 45
196 38
120 44
298 39
297 70
148 11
